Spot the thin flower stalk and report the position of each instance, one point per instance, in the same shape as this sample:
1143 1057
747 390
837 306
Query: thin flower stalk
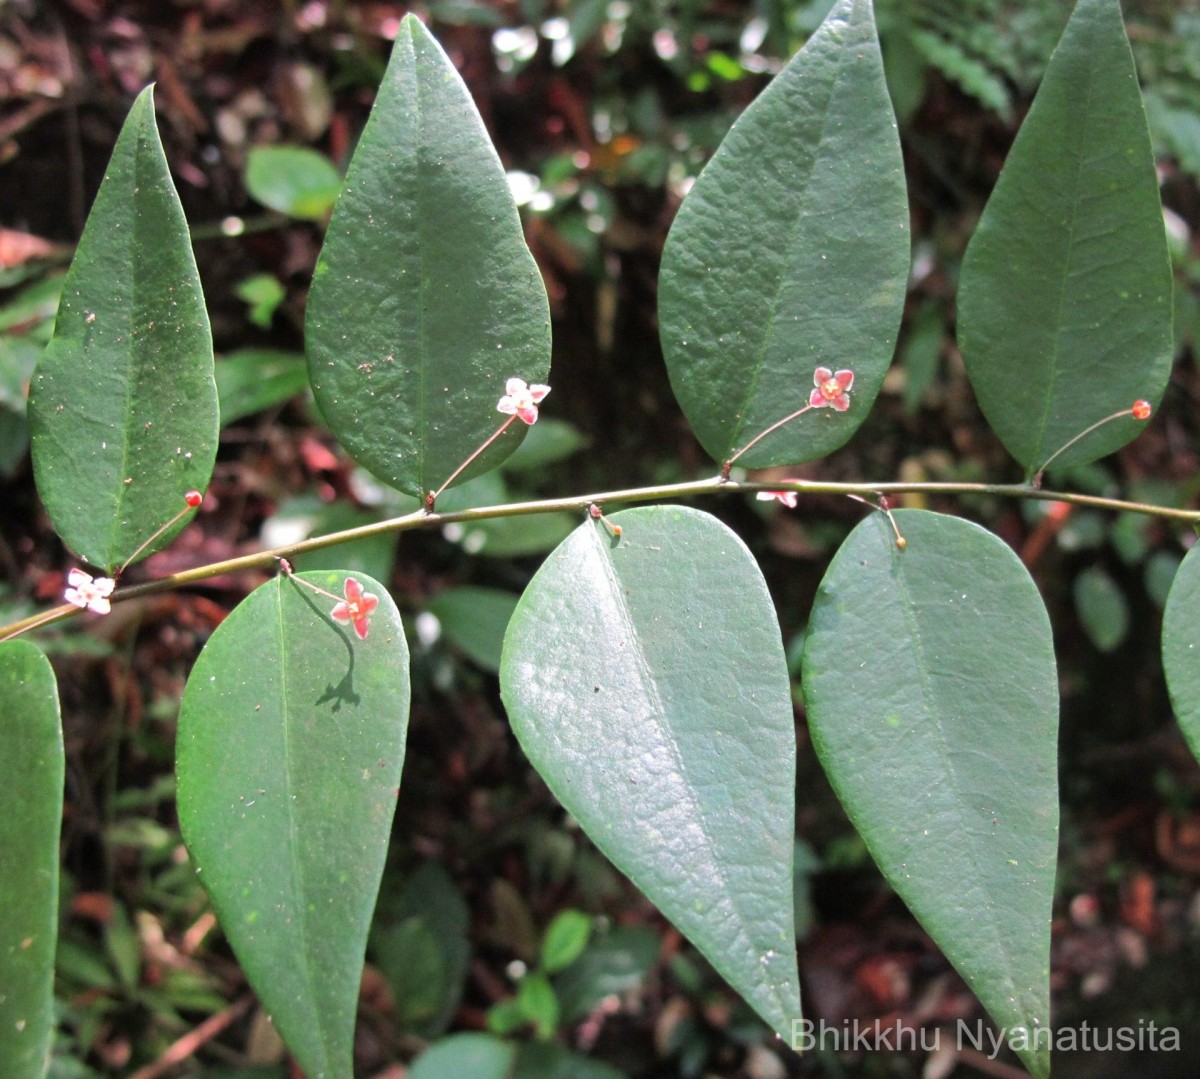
353 608
1139 410
520 401
830 390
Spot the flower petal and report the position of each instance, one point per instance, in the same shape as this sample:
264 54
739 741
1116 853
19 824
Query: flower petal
821 374
353 590
515 386
537 391
529 414
841 402
845 379
77 577
817 399
507 405
340 612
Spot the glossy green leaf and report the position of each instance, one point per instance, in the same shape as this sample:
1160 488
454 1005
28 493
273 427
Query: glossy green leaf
425 299
295 180
31 800
480 1056
932 701
123 405
474 619
791 253
646 681
1065 300
290 745
1181 647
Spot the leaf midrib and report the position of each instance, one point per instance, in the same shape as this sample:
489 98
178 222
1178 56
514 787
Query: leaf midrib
296 871
768 330
1052 382
650 692
908 608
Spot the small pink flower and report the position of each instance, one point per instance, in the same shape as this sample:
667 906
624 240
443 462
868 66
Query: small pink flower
522 400
788 498
1141 410
832 389
89 593
356 608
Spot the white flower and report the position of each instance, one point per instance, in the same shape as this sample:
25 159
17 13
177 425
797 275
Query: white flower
522 400
90 593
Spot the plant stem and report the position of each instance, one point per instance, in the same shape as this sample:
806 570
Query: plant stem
714 485
431 498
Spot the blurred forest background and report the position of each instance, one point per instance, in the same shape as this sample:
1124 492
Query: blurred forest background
496 914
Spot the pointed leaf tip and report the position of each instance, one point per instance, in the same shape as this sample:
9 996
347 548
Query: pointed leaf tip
425 299
790 253
1066 297
123 404
932 700
289 753
680 769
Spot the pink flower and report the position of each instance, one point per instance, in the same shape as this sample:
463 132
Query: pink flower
788 498
832 389
355 608
1141 410
522 400
89 593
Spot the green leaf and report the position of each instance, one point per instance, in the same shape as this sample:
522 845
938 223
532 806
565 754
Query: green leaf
791 253
646 682
424 951
294 180
932 701
252 379
566 937
1181 647
123 406
31 800
538 1004
547 441
263 293
481 1056
613 964
425 299
474 619
1102 608
545 1060
1065 301
290 745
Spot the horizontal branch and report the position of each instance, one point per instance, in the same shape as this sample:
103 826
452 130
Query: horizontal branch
715 485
